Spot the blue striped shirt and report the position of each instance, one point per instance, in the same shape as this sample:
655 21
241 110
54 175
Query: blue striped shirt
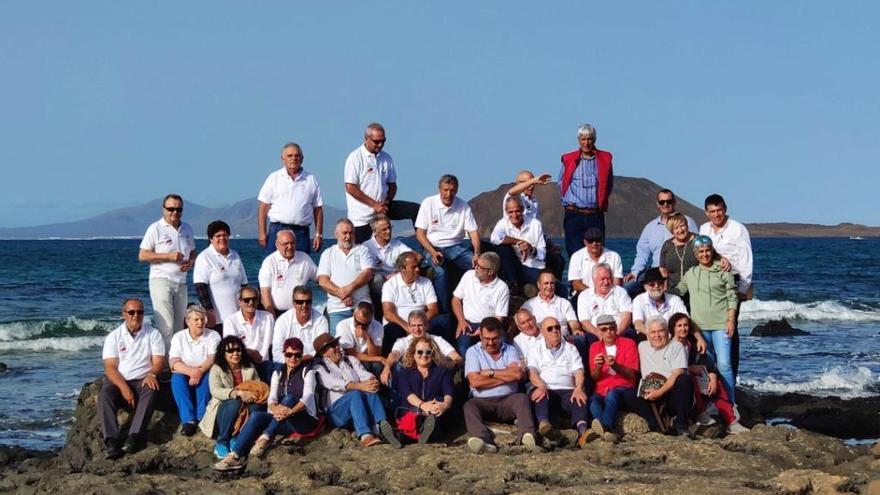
584 188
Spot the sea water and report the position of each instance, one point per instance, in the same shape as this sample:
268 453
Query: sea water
59 298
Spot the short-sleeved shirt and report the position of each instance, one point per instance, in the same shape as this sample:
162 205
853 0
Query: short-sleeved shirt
291 201
161 237
528 345
557 367
193 352
287 326
557 307
281 276
343 269
664 361
445 226
643 307
135 353
408 298
531 209
476 360
385 256
530 231
625 353
592 305
349 340
372 174
224 275
256 336
402 344
482 300
580 267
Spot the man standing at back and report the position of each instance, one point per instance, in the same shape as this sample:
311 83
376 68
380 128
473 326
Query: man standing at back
168 246
371 185
585 182
291 198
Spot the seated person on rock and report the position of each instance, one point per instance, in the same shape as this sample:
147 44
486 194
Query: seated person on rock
232 367
351 394
667 357
254 327
361 336
655 301
529 338
384 249
403 293
344 272
292 408
479 295
133 356
582 262
302 321
191 358
520 244
524 190
282 271
418 326
426 387
604 298
547 303
494 370
557 372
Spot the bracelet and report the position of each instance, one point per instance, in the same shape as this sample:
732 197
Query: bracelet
319 235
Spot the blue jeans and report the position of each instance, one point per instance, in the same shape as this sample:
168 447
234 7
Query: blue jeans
605 408
363 409
718 346
300 231
260 422
458 255
226 415
191 401
560 399
575 225
512 269
333 319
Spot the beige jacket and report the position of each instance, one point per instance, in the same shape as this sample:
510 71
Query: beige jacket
221 389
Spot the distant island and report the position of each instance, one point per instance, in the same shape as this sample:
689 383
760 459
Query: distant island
632 206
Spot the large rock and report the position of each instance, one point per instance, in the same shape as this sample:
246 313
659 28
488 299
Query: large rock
777 328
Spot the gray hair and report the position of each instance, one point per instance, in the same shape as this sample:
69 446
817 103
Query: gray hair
378 217
364 308
196 308
587 130
659 320
291 145
285 231
448 179
400 262
417 314
602 266
522 311
513 199
374 126
493 259
344 220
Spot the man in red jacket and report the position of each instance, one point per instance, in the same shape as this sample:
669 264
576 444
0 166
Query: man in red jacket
585 182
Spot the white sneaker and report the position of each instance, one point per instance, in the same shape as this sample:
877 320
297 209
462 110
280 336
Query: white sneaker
479 446
736 413
735 428
528 441
705 420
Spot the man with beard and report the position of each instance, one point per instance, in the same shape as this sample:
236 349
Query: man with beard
344 272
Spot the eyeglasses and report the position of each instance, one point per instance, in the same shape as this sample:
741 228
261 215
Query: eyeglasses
248 300
377 141
133 312
665 202
297 355
424 352
234 350
481 267
593 240
302 302
607 329
554 328
173 210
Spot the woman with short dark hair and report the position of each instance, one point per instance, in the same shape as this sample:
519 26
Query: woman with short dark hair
218 276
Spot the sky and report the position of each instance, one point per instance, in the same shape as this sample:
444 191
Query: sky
107 104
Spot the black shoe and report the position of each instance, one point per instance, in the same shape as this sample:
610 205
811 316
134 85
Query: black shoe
387 434
188 429
427 428
133 444
111 449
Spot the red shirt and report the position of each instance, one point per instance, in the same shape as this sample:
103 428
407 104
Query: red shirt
627 355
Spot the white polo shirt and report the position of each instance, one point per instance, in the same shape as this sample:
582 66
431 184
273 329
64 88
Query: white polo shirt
343 269
580 267
161 238
288 326
281 276
193 352
557 366
224 276
531 231
733 242
136 353
531 209
402 344
479 300
592 305
372 174
445 226
408 298
256 336
291 201
557 307
528 345
386 255
349 340
643 308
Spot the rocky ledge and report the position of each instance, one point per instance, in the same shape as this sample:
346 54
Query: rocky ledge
768 459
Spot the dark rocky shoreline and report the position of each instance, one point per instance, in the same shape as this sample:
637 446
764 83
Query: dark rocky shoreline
769 459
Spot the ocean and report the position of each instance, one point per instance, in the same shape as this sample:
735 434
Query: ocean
58 298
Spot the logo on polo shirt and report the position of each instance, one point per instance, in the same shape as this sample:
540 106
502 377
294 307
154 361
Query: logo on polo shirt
122 348
370 170
435 220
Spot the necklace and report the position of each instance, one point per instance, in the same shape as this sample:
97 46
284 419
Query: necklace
681 258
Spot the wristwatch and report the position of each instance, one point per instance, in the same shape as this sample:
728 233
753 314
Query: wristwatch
491 373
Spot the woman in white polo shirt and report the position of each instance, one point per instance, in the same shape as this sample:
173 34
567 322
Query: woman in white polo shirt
218 276
191 357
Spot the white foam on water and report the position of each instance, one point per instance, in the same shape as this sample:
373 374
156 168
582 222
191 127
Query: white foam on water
757 310
71 344
845 382
22 330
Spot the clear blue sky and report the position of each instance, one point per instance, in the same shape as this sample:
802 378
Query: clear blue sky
106 104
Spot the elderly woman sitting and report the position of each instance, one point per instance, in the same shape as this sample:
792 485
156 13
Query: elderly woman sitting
190 358
425 383
232 367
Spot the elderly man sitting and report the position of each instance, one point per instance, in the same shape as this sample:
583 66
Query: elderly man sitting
529 338
604 298
480 294
403 293
361 336
557 372
667 357
583 261
547 303
519 241
283 270
385 250
656 302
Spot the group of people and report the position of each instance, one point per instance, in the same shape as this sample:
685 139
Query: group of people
255 365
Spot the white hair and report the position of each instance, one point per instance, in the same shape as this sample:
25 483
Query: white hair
587 130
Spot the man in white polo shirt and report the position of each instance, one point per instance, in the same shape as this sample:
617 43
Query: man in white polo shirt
283 270
417 321
302 321
547 303
291 198
442 223
371 184
405 292
344 272
254 327
133 355
168 246
385 249
603 297
361 336
520 244
529 337
580 266
479 294
655 301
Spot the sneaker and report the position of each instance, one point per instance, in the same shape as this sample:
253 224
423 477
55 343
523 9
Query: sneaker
597 428
705 420
133 444
221 450
112 450
479 446
586 437
736 413
386 431
735 428
546 429
260 447
188 429
229 463
610 437
427 428
528 441
369 440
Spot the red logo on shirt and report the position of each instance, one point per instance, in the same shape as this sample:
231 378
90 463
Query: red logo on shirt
369 170
122 348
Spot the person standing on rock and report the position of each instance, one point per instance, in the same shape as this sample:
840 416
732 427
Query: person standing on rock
282 271
344 272
585 182
133 355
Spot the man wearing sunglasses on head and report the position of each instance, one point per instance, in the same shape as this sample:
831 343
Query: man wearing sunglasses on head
302 321
254 327
594 252
168 246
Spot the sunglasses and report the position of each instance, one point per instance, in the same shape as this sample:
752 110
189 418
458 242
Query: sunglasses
554 328
362 324
133 312
377 141
173 210
302 302
424 352
607 329
248 300
234 350
297 355
665 202
594 240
